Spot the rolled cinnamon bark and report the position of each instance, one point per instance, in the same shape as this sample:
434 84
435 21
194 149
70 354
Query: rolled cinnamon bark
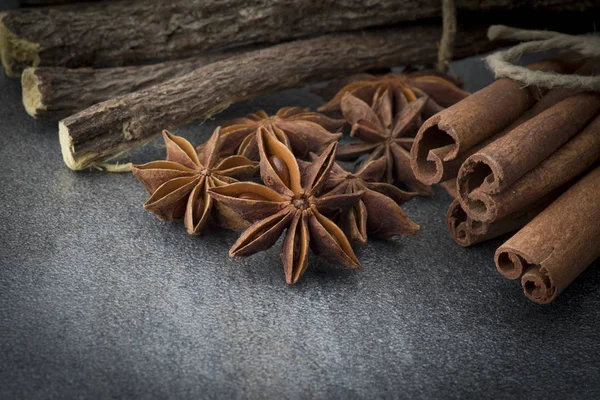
499 165
558 244
572 63
467 231
443 138
573 158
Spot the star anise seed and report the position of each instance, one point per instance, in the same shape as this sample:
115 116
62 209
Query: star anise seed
383 134
441 92
291 200
179 185
301 130
378 212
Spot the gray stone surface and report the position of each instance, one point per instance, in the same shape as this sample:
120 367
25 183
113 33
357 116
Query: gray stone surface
99 299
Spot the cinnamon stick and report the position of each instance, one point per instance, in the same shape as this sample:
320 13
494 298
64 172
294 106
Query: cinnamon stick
111 127
496 167
575 157
443 138
558 244
467 231
49 92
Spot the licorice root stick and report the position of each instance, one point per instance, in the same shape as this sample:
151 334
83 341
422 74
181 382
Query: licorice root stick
114 126
57 92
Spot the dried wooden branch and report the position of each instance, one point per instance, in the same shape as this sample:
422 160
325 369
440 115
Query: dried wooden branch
109 128
57 92
112 127
129 32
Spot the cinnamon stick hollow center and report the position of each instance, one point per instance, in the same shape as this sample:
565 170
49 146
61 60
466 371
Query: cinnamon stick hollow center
496 167
443 142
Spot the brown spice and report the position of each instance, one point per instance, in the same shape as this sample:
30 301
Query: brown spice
179 185
383 133
301 130
467 231
558 244
441 91
378 212
443 139
496 167
564 165
291 199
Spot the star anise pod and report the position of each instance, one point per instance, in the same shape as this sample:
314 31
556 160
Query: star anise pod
378 212
299 129
179 184
383 134
291 200
440 92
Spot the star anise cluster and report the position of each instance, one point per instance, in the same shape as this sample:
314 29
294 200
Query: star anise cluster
292 201
316 205
378 212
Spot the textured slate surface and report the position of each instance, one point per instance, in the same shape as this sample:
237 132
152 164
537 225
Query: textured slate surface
100 299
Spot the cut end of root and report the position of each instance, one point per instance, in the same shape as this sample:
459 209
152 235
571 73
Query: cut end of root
432 147
16 52
509 264
67 148
32 97
537 285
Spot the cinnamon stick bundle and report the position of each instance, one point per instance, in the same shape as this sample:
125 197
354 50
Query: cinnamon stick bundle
568 63
467 231
444 140
109 128
49 92
496 167
558 244
573 158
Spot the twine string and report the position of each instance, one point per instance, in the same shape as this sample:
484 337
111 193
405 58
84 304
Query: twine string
501 62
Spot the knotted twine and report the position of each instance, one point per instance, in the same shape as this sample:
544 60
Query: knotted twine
536 41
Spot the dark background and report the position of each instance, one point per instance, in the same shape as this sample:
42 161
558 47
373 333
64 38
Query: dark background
100 299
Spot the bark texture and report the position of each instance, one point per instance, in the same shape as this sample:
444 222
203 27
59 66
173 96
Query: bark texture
57 92
129 32
39 3
111 127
